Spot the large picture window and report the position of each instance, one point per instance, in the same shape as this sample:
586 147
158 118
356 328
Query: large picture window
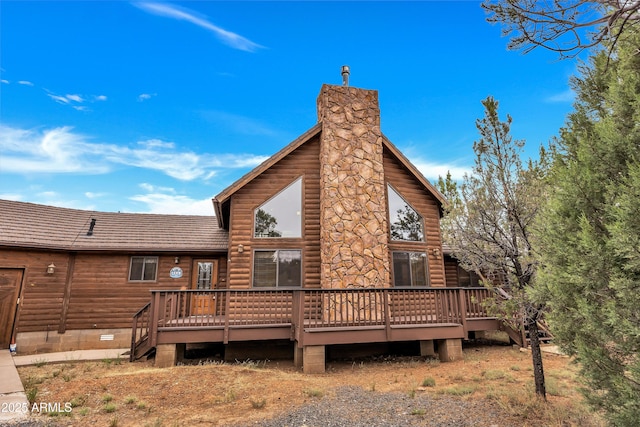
143 268
277 268
405 222
281 216
410 269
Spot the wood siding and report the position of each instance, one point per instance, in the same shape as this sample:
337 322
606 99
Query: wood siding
426 205
304 161
99 294
451 271
458 276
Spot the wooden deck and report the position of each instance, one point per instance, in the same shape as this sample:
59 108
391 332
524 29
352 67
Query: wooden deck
309 316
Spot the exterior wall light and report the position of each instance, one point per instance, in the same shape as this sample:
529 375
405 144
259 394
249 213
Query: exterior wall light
240 248
176 260
436 253
51 268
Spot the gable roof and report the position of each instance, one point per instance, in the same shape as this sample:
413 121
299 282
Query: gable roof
225 194
413 170
29 225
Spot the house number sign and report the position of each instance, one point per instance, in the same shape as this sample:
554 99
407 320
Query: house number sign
175 273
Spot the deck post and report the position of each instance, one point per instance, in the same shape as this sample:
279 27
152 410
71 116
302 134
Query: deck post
427 348
154 317
313 359
462 298
387 313
450 350
298 356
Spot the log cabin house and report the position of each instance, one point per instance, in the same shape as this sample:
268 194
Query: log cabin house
72 279
333 240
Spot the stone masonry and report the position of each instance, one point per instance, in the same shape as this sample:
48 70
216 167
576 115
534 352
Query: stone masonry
354 229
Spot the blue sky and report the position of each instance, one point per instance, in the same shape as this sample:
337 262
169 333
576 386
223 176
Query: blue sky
157 107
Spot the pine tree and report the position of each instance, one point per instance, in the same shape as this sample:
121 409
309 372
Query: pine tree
590 232
489 218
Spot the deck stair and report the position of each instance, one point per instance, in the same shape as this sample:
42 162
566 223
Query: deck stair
140 341
520 334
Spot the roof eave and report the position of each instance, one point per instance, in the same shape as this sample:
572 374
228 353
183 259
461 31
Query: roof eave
407 163
225 194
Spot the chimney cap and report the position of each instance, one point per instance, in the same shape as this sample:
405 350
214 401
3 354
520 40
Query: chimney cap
345 75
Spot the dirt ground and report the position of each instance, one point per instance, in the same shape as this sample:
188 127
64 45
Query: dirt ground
211 393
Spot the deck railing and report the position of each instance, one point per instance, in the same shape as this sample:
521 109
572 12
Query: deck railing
140 329
306 309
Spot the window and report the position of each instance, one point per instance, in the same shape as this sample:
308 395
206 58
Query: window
206 272
281 216
143 268
405 222
277 268
410 269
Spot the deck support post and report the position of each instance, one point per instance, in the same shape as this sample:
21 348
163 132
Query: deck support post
450 350
313 359
168 355
427 348
298 356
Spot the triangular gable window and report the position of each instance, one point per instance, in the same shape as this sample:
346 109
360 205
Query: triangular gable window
405 222
281 216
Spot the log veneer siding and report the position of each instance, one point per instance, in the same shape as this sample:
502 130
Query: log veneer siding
98 294
304 161
426 205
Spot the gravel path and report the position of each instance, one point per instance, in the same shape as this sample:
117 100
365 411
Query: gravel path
355 407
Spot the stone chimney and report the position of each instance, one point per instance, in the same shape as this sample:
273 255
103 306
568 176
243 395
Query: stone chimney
353 219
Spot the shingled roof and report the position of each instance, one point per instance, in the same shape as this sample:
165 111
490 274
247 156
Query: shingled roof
28 225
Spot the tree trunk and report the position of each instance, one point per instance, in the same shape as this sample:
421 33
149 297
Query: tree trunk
536 356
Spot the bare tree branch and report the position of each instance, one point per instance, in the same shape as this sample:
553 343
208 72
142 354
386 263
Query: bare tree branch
564 26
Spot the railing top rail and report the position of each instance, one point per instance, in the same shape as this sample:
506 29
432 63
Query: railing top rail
327 290
146 306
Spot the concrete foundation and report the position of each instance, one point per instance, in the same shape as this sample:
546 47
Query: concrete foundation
79 339
450 350
168 355
427 348
313 359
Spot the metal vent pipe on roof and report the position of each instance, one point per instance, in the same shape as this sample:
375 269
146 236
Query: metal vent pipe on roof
345 75
93 224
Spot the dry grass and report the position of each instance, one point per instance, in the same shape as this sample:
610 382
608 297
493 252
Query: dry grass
137 394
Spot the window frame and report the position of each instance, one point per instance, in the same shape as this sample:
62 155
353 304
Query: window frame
278 193
390 187
277 285
424 256
144 263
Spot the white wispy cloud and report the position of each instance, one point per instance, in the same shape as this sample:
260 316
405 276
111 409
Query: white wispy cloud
145 96
25 83
4 81
432 171
566 96
163 203
59 99
92 195
57 150
61 150
229 38
12 196
75 100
